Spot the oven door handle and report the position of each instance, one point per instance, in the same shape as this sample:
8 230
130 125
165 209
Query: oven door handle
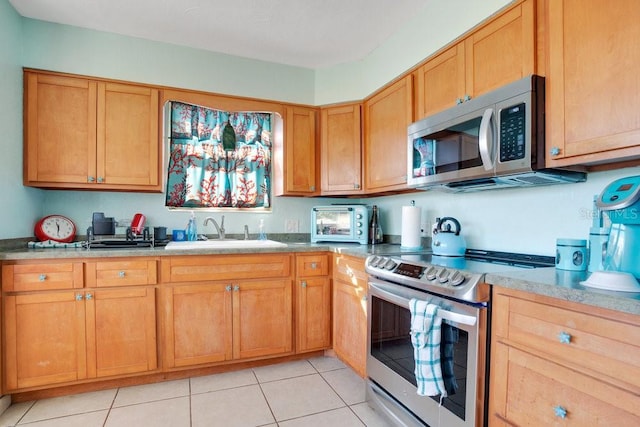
393 297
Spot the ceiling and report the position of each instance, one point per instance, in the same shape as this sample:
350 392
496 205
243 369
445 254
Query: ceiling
306 33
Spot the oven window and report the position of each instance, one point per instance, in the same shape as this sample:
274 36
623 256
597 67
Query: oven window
391 345
337 223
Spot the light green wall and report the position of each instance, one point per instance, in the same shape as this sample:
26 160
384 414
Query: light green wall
76 50
21 206
439 23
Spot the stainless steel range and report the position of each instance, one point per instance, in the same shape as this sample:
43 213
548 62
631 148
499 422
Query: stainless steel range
456 285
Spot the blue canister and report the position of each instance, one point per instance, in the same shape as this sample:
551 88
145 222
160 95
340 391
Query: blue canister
571 254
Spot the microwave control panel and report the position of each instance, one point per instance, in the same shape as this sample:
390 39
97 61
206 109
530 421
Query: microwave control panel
512 133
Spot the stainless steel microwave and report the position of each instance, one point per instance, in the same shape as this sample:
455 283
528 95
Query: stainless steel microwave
340 223
492 141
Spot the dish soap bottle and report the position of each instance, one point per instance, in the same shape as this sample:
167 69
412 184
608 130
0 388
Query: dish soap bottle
192 229
375 229
261 234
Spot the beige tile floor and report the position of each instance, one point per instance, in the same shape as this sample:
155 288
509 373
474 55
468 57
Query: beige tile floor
319 391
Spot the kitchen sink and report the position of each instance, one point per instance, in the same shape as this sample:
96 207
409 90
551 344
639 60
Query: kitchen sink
224 244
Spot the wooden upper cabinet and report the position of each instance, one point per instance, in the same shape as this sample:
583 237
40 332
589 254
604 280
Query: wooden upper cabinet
128 150
90 134
341 149
593 91
387 114
60 129
299 174
498 53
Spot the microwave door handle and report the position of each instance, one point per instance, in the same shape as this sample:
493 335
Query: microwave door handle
485 140
402 301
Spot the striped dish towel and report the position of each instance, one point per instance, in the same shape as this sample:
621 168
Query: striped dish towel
425 337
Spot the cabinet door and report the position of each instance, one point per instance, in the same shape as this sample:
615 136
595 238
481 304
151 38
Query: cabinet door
502 51
262 318
121 331
341 148
387 115
44 339
440 83
313 314
350 325
199 328
127 136
60 129
593 93
300 174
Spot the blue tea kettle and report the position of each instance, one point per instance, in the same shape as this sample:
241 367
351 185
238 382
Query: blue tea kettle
447 240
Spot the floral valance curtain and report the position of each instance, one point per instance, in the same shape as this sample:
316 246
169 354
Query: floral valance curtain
202 173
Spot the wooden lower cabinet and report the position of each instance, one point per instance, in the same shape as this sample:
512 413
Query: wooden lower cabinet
350 312
212 321
562 363
66 336
313 302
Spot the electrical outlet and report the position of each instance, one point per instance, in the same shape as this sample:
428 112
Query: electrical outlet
425 228
291 225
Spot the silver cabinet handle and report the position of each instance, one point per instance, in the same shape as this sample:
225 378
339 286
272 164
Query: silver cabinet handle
458 101
304 284
227 288
42 277
564 337
560 412
314 265
467 97
121 274
78 297
91 179
236 288
554 151
100 179
89 296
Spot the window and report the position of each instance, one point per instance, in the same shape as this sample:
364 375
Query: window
218 158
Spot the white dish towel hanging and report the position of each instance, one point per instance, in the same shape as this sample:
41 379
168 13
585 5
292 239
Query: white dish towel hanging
425 338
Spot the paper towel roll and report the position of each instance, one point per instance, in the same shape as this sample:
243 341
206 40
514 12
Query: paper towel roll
410 237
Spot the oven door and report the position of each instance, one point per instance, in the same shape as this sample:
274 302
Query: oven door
390 361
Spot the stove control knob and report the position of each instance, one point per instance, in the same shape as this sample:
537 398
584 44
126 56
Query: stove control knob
390 265
431 272
443 276
456 278
374 261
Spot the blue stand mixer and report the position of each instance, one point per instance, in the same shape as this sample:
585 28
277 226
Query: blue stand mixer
620 201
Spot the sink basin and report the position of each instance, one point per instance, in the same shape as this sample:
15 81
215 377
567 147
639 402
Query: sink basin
225 244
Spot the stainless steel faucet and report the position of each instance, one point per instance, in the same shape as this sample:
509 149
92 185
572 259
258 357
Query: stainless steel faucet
219 228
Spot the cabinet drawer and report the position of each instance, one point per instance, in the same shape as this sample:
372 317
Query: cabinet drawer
594 340
538 392
350 270
122 273
312 265
42 276
225 267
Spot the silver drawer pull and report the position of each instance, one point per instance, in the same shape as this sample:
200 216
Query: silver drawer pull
564 337
89 296
42 277
227 288
78 297
304 283
314 265
121 274
560 412
236 288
